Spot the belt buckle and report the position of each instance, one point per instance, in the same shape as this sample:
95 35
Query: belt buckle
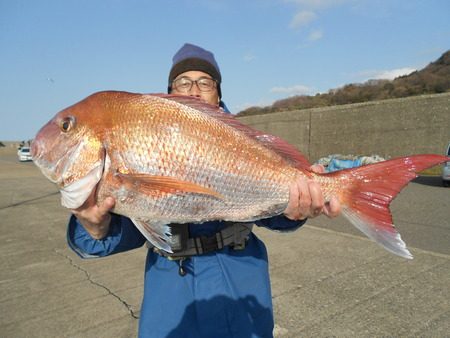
170 257
239 246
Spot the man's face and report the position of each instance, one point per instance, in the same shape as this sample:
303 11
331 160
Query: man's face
203 87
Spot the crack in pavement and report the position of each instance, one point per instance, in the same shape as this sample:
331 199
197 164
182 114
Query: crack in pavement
88 276
28 200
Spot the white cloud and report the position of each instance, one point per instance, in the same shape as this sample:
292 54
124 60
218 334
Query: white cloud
302 18
385 74
315 35
318 4
249 57
261 103
308 10
271 99
293 90
392 74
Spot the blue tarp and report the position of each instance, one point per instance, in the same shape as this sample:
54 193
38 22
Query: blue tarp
338 162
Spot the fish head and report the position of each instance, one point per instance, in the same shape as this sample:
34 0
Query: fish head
69 152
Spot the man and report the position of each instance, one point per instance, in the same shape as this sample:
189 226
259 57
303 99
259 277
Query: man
216 284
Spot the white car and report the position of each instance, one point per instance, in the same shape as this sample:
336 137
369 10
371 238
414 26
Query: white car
446 170
24 154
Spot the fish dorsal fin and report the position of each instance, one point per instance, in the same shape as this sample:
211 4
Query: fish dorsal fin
153 184
274 143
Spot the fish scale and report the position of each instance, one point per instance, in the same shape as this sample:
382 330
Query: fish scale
205 168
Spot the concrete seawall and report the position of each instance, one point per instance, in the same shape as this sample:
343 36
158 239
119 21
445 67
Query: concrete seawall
389 128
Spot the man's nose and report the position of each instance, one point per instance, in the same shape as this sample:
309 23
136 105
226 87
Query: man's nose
195 90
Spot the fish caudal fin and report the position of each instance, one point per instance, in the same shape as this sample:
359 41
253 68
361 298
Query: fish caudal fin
367 192
390 239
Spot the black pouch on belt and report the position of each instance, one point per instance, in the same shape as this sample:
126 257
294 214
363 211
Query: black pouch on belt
179 238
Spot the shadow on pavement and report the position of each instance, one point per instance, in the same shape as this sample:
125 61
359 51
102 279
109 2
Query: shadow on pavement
434 181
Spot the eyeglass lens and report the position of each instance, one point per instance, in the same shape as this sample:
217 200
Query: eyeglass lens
184 84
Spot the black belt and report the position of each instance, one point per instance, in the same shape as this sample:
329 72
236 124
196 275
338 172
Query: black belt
234 235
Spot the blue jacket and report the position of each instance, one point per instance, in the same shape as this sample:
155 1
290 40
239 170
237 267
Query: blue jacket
224 294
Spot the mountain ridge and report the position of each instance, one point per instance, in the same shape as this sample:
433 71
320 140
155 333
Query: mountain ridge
434 78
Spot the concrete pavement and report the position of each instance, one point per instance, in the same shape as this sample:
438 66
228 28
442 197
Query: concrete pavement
325 282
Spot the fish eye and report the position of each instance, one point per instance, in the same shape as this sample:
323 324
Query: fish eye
67 124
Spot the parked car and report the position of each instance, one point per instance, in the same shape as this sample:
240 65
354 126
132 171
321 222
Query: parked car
446 170
24 154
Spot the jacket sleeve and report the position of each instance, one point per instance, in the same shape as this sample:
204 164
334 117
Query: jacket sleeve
280 223
122 236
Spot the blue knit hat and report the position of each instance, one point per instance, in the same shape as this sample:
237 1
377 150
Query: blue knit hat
191 57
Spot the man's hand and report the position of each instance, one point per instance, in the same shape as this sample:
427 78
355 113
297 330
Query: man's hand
95 218
306 199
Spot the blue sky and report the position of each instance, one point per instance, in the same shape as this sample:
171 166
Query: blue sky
54 53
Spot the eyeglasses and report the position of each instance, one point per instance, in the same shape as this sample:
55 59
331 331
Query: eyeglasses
184 84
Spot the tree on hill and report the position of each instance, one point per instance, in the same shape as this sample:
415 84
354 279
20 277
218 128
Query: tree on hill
434 78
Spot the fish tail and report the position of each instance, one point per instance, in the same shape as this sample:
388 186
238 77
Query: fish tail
366 192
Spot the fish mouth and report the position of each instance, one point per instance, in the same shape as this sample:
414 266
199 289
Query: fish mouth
57 165
75 187
49 168
54 171
75 193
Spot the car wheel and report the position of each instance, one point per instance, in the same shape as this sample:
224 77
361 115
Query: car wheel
445 183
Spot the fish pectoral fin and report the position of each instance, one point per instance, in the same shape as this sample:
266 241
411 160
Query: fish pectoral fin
149 184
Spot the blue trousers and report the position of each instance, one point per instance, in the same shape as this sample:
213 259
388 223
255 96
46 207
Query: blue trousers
224 294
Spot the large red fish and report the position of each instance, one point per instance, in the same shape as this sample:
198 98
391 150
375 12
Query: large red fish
173 159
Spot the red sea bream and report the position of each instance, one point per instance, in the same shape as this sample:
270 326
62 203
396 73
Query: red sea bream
173 159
